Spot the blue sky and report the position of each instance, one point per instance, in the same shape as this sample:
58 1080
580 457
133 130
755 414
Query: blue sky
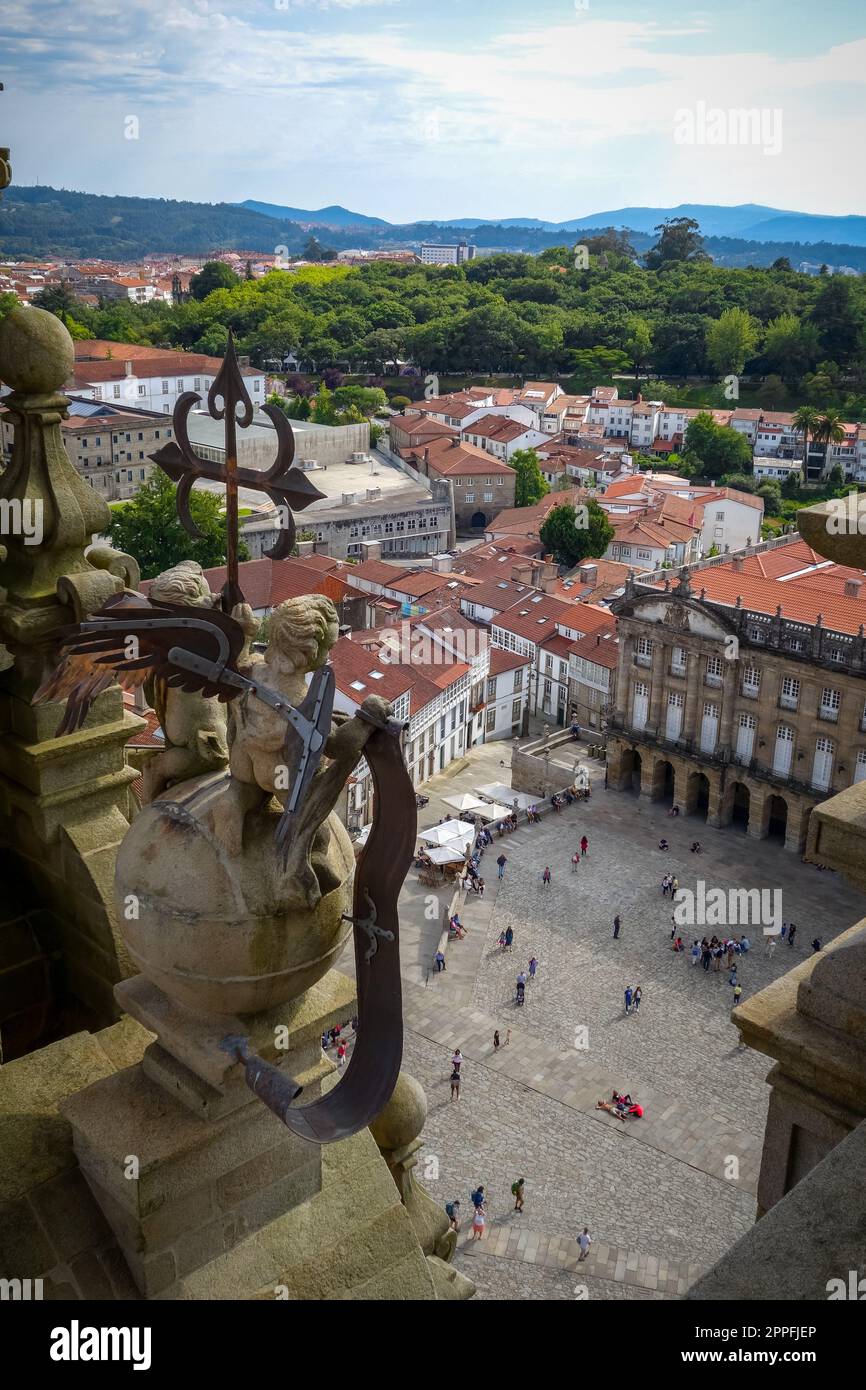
408 109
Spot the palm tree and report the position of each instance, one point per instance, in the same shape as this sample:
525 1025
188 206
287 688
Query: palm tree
806 423
828 431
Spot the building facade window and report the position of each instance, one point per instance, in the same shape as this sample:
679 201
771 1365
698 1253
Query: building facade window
674 721
784 750
640 705
714 670
643 651
751 686
709 728
678 661
789 695
746 737
822 764
860 766
830 702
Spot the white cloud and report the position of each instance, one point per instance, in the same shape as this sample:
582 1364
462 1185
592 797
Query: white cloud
548 120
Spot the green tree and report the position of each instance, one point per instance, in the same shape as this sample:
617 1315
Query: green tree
366 399
529 485
315 251
57 299
8 302
828 431
771 491
679 240
773 391
400 402
572 534
147 527
805 423
638 345
214 275
838 318
731 341
716 449
324 412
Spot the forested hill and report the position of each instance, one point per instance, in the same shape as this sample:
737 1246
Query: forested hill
40 222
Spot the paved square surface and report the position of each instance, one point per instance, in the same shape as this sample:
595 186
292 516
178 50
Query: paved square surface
665 1196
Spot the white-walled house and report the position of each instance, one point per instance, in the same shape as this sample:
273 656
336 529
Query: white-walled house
154 383
506 693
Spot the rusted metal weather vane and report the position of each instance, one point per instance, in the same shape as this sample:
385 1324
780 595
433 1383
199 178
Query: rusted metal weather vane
288 487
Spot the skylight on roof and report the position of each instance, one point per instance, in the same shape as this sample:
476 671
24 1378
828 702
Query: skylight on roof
541 620
503 584
376 676
538 598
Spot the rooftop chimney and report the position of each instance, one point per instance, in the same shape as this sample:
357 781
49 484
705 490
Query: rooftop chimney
442 564
737 563
588 574
853 587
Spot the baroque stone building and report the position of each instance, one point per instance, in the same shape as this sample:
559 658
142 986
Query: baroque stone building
744 699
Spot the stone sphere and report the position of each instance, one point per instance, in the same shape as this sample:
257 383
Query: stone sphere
36 352
223 934
403 1118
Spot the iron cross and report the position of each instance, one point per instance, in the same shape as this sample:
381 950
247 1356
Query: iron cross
287 487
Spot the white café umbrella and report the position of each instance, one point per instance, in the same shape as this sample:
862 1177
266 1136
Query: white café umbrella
506 796
451 830
464 801
494 812
442 854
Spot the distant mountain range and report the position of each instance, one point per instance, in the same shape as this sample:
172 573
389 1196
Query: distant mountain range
746 221
334 216
40 221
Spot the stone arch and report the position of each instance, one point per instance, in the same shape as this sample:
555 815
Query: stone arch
736 805
631 767
663 782
698 794
479 521
741 805
777 817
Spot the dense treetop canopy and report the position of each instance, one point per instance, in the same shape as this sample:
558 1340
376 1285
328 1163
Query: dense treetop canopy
535 316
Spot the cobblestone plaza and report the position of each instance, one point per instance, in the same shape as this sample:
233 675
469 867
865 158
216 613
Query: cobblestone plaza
664 1196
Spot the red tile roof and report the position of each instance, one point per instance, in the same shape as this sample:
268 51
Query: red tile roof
502 660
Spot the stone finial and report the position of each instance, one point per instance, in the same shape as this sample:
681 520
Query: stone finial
396 1131
403 1118
53 513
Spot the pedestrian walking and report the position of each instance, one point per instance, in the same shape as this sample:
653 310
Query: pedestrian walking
533 967
496 1041
696 952
501 862
616 926
738 990
509 938
636 998
628 998
455 1084
457 1059
507 1036
517 1193
791 930
480 888
452 1211
584 846
584 1240
478 1196
478 1224
575 860
705 954
502 941
341 1055
770 948
545 877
